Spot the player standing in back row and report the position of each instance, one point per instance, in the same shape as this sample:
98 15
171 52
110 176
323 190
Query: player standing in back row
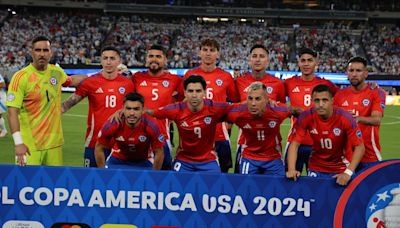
158 89
367 107
275 89
298 89
106 91
220 88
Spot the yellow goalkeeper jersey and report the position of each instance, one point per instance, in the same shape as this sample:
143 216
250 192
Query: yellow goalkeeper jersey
38 96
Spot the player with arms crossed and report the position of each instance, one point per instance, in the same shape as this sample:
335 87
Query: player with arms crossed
158 89
298 89
367 107
331 128
260 123
137 137
106 91
196 120
258 61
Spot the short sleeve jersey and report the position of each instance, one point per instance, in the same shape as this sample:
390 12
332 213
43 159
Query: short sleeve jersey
262 139
299 93
196 129
220 88
329 138
134 144
363 103
158 91
105 98
38 96
275 87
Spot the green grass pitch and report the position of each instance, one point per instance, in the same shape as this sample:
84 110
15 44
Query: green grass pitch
74 126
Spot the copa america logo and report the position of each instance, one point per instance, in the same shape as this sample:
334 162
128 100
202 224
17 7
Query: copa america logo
269 89
272 124
365 102
219 82
336 131
207 120
165 83
53 81
142 138
383 209
121 90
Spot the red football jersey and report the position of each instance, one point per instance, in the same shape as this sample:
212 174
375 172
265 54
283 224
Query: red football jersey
329 138
158 91
262 138
363 103
275 87
221 88
133 143
299 92
105 98
196 130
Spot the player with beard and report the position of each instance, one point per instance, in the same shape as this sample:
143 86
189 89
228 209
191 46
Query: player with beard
158 88
137 137
367 107
220 88
331 129
105 91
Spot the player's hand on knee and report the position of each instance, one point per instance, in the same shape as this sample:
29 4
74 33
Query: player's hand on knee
292 174
342 178
21 151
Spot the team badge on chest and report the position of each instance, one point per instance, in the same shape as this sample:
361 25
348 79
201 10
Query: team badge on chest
53 81
365 102
272 124
219 82
336 131
121 90
142 138
207 120
165 83
269 89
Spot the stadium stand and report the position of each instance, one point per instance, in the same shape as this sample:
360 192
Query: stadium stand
78 35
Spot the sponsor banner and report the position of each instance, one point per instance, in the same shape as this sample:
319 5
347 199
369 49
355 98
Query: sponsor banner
93 197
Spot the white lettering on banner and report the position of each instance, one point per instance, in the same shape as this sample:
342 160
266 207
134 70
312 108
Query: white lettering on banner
22 196
112 201
224 204
173 201
4 196
76 198
168 201
48 196
96 199
286 207
133 199
148 200
60 194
